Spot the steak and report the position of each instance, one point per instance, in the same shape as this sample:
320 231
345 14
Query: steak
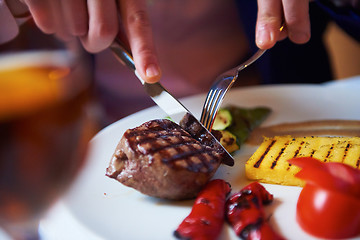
192 126
160 159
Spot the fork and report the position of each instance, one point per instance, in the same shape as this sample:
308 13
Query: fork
218 90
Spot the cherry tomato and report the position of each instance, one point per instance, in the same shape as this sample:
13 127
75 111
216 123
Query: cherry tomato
329 204
328 214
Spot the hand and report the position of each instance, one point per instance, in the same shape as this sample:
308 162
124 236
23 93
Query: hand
96 23
293 15
17 8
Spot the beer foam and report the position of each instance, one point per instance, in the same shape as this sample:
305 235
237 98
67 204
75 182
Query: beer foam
60 58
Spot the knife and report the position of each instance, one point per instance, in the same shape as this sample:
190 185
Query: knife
170 105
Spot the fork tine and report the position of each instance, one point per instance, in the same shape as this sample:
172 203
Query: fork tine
209 110
218 90
215 107
207 103
214 100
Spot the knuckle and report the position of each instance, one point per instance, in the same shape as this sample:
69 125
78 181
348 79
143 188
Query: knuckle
293 20
269 24
145 51
98 38
268 19
296 24
139 18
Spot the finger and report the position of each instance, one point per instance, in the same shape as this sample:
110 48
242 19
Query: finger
283 32
18 9
268 23
138 29
103 25
59 19
42 13
296 14
76 16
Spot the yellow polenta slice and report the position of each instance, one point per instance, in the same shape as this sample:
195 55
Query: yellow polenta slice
269 163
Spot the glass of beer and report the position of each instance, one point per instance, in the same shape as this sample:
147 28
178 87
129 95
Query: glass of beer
47 118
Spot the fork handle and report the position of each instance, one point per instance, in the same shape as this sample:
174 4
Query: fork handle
252 59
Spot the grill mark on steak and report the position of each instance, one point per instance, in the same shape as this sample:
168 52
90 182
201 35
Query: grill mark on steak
172 146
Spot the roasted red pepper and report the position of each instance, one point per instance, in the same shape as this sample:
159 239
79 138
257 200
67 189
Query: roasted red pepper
207 217
245 213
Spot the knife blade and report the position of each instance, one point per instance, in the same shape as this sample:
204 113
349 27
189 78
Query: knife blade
170 105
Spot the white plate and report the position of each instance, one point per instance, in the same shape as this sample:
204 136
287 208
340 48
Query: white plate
98 207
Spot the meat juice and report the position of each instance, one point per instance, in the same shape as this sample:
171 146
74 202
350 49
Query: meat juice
45 126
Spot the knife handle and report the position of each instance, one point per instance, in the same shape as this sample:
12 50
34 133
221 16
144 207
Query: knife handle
122 54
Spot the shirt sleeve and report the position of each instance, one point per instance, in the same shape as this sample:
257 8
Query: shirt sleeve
9 28
347 18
